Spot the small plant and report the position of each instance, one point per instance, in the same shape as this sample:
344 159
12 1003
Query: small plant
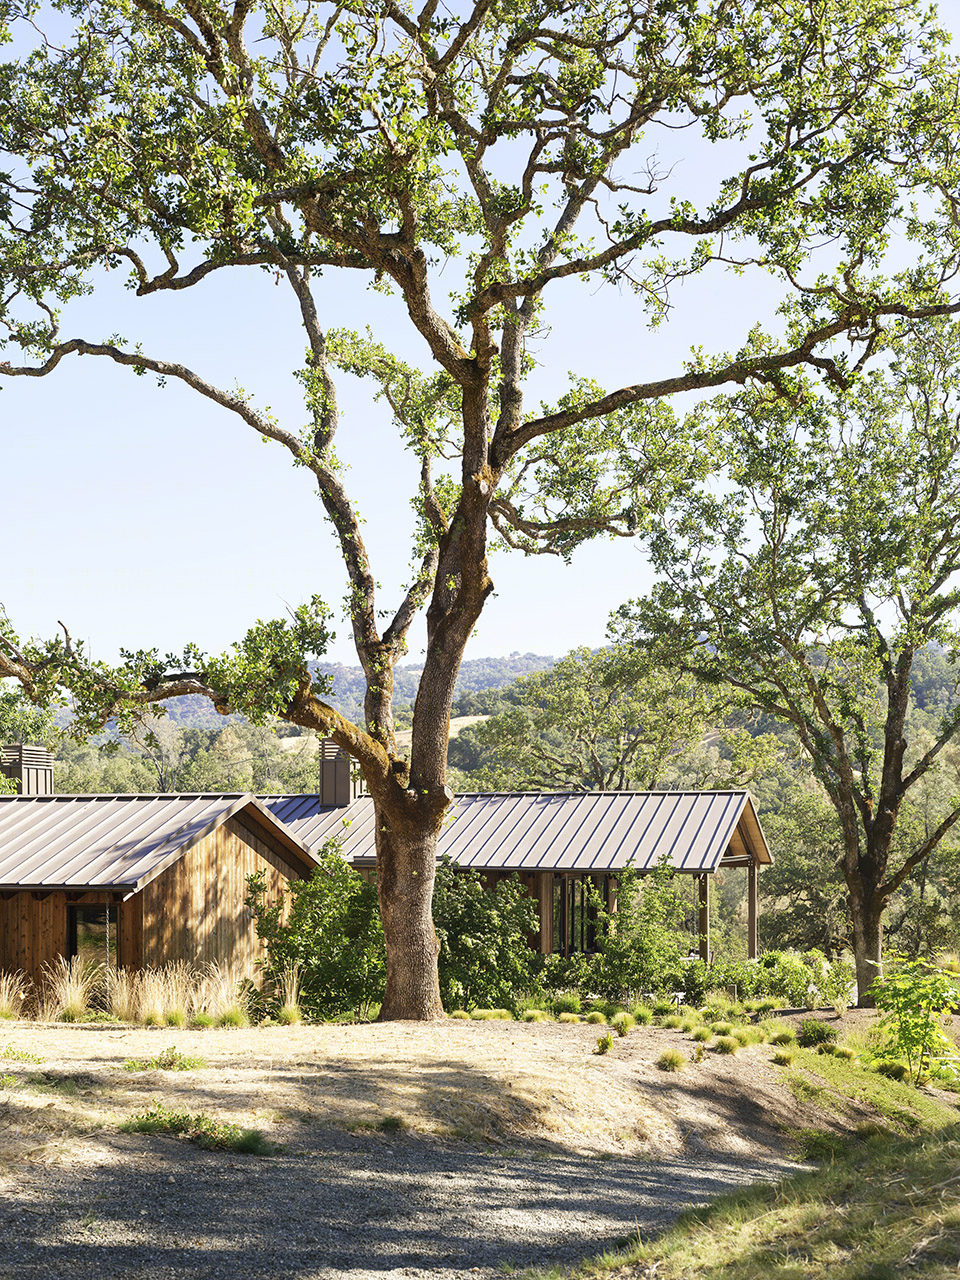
289 1012
642 1015
782 1058
491 1015
673 1022
891 1069
604 1043
460 1014
199 1129
813 1032
913 1000
14 989
597 1018
235 1017
391 1124
844 1051
69 987
746 1035
721 1028
689 1024
168 1060
202 1020
701 1033
535 1015
7 1081
622 1023
19 1055
566 1002
671 1060
829 1048
568 1017
726 1045
662 1007
781 1037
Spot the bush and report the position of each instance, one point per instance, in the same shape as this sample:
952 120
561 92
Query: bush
485 955
813 1032
726 1044
567 1002
622 1023
641 1015
604 1043
332 936
913 999
643 941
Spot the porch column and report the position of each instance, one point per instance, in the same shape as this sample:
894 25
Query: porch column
752 911
545 898
703 917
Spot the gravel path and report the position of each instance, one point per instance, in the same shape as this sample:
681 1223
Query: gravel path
359 1206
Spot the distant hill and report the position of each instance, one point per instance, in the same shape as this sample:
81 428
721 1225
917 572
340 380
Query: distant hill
476 675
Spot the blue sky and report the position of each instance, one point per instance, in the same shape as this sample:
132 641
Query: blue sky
142 516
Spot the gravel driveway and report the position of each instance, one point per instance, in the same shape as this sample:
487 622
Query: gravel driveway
342 1205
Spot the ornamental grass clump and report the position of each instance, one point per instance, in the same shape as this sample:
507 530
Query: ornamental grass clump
673 1022
566 1002
721 1028
14 989
460 1015
289 1012
569 1017
782 1058
701 1033
642 1015
596 1017
726 1045
671 1060
812 1032
68 988
535 1015
622 1023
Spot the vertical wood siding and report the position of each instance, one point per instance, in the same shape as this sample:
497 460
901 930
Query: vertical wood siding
195 910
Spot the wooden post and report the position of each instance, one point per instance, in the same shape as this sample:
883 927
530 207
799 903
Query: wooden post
752 911
703 918
545 896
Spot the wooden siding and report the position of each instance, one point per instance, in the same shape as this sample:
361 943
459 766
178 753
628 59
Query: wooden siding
33 928
195 910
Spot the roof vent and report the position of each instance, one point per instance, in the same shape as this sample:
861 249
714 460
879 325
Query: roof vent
31 768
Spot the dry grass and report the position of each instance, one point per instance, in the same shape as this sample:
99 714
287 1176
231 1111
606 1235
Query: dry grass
15 988
68 987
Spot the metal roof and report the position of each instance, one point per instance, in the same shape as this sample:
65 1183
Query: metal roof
595 831
119 842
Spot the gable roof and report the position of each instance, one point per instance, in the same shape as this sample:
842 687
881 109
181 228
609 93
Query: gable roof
595 831
118 842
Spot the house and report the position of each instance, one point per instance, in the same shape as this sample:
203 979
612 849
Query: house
133 880
558 842
143 880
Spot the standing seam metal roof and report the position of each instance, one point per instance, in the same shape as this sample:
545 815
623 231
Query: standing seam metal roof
115 841
583 831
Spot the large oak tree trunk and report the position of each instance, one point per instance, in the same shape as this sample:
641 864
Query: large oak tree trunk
406 867
867 915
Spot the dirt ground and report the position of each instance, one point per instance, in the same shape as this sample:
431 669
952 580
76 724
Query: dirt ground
536 1084
443 1152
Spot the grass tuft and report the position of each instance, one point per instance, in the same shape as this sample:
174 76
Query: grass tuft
726 1045
671 1060
167 1060
783 1058
701 1034
14 990
212 1135
597 1018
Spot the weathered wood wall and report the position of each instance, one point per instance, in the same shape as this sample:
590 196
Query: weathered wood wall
193 911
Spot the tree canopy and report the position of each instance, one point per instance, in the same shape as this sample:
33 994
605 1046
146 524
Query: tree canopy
811 580
527 144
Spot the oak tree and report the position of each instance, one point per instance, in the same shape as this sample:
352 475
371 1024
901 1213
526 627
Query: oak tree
517 142
810 581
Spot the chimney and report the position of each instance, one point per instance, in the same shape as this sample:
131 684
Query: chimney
336 790
31 768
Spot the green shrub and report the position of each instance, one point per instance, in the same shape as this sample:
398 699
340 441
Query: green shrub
643 940
913 998
671 1060
485 955
332 937
813 1032
641 1015
893 1070
726 1045
566 1002
491 1015
689 1024
288 1015
604 1043
663 1007
596 1018
622 1023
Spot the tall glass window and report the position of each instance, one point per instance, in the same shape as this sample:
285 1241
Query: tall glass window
92 934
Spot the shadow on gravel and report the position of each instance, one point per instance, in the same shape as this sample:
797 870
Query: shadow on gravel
341 1206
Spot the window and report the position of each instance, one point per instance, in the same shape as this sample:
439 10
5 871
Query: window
92 934
575 912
